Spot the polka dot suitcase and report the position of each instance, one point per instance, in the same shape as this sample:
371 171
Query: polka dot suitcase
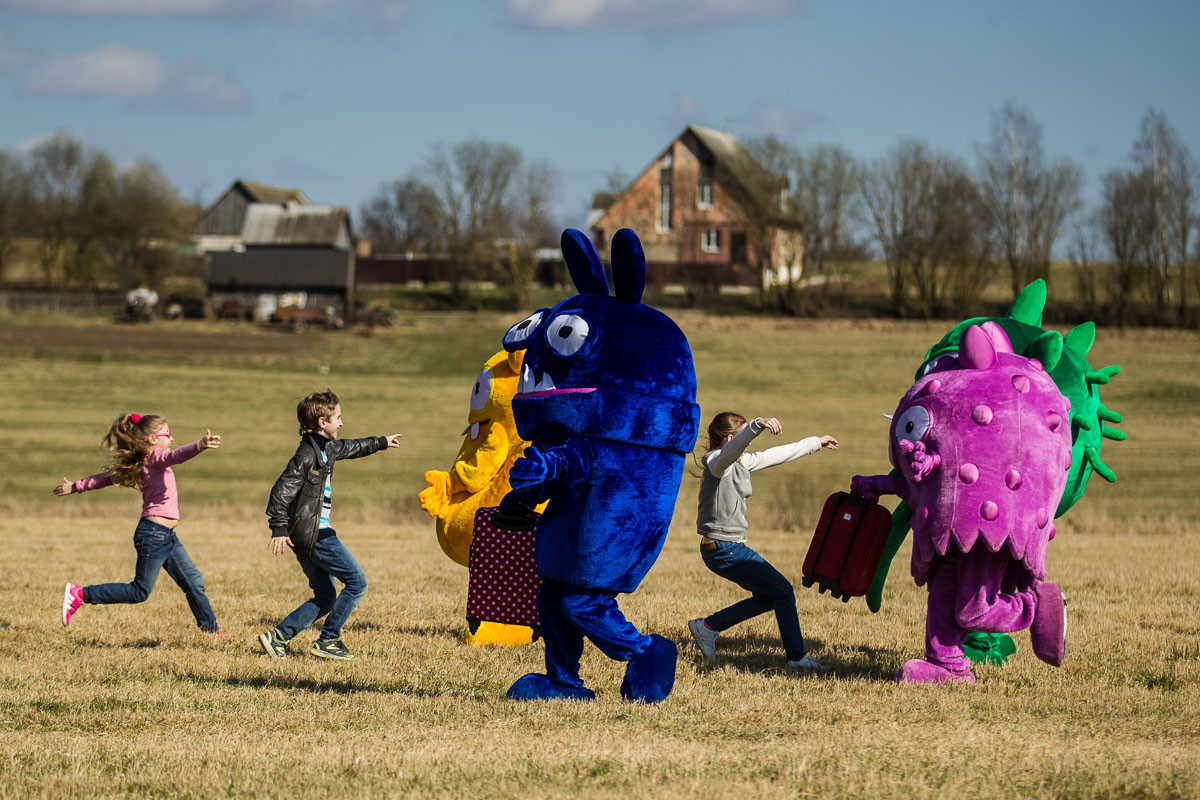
847 546
504 582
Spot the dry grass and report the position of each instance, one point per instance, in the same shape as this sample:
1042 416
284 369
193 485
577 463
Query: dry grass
133 701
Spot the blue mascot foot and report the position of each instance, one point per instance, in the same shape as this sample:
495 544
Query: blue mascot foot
650 676
540 687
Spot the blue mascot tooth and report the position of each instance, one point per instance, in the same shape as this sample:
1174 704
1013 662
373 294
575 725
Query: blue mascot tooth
608 402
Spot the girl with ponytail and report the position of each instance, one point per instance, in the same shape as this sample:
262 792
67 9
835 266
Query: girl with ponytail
141 458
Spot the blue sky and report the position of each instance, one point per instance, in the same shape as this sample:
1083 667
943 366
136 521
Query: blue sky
337 96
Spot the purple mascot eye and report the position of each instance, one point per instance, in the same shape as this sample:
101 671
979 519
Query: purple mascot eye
913 424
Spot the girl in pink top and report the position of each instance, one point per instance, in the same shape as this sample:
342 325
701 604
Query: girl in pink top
142 459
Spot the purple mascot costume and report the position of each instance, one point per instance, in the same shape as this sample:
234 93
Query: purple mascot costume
982 447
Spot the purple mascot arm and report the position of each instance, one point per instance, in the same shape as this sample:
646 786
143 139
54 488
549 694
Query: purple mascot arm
870 487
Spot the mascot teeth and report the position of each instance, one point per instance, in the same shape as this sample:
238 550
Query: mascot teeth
530 383
474 431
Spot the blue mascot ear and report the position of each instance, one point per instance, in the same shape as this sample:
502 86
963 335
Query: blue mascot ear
587 273
629 266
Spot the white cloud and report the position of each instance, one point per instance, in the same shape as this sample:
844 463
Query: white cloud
645 14
192 87
781 119
112 70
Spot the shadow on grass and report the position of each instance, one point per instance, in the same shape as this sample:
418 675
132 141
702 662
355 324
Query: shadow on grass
764 654
132 644
313 686
453 631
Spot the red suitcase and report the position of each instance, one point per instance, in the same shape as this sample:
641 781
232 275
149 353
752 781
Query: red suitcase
847 546
504 582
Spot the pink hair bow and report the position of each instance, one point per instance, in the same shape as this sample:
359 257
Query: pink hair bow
135 418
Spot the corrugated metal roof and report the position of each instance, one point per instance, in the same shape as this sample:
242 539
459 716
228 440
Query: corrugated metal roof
307 225
262 193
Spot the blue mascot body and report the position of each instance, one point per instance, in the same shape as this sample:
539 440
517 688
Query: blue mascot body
608 400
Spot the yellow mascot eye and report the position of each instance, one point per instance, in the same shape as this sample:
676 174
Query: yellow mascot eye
481 392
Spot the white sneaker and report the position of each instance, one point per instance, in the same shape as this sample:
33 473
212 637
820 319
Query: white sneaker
706 638
808 662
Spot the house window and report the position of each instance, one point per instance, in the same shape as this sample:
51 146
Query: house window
662 216
704 187
710 241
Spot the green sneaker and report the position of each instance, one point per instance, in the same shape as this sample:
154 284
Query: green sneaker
331 648
275 647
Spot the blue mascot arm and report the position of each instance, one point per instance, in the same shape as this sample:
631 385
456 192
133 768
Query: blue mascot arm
539 473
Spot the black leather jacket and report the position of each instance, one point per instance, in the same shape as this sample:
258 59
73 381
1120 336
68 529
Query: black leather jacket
294 508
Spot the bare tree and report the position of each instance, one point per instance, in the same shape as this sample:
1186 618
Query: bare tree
826 181
1126 219
757 180
1084 255
148 219
1027 199
928 219
1159 151
13 199
400 217
533 226
471 182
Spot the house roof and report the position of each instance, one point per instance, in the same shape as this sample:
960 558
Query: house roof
262 193
731 157
741 166
270 224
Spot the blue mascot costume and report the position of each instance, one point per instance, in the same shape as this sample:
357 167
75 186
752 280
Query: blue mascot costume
608 399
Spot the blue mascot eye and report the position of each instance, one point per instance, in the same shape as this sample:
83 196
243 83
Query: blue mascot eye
523 329
567 333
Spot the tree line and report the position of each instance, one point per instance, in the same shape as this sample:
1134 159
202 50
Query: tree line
945 229
88 221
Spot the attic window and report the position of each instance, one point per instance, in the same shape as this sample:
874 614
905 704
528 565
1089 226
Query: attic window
662 211
704 188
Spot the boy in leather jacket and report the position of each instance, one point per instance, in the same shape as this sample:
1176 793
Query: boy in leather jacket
298 513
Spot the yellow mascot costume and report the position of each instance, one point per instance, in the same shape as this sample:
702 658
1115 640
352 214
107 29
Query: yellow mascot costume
479 477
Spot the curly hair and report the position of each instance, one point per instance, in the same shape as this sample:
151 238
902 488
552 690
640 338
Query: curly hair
127 445
315 406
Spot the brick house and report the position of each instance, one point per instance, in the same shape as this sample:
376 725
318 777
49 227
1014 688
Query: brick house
705 206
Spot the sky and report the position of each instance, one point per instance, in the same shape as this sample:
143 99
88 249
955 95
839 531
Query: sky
338 97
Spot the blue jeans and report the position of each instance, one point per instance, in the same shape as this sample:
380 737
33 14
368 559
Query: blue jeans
769 591
330 559
569 613
158 548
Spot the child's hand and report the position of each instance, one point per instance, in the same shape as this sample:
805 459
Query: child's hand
64 488
829 443
394 439
771 424
210 440
278 543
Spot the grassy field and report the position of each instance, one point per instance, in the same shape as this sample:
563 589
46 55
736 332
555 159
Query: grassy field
134 701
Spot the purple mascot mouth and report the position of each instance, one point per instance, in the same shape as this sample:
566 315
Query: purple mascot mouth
920 461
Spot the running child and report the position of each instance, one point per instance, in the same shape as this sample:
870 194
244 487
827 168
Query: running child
142 458
721 521
298 513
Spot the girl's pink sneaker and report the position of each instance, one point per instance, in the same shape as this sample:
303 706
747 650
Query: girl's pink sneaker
72 600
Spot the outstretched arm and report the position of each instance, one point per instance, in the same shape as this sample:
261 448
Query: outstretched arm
87 484
871 487
537 474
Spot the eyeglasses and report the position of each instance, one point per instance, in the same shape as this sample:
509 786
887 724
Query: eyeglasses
166 433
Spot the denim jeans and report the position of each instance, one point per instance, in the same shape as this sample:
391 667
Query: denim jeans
158 548
769 591
330 559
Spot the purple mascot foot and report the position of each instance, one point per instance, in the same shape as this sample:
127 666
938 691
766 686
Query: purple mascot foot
920 671
539 687
1048 633
650 676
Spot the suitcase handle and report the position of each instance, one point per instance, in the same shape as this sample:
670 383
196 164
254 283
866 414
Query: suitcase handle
514 522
